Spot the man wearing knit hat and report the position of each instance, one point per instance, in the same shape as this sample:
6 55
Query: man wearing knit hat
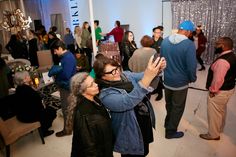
180 56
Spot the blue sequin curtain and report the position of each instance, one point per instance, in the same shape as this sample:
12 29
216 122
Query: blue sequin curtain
217 17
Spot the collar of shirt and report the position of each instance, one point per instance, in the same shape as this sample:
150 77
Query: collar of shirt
225 52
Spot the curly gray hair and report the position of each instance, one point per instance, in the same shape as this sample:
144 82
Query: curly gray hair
20 76
77 87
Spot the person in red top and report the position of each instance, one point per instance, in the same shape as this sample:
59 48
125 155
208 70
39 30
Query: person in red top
117 32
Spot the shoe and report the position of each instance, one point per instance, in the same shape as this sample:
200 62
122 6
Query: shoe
175 135
202 68
62 133
208 137
48 133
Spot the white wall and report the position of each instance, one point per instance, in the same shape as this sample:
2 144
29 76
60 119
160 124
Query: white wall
141 15
55 7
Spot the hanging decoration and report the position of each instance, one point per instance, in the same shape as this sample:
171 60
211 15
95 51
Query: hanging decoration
15 21
217 18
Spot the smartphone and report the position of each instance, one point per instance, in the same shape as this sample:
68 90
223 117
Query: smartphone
156 55
156 79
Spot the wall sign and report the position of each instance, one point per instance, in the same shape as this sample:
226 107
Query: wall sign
74 12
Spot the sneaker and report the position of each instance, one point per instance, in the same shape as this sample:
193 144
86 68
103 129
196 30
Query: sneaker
48 133
175 135
208 137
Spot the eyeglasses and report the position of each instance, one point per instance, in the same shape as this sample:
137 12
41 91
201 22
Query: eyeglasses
113 72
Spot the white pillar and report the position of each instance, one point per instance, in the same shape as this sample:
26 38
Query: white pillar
92 27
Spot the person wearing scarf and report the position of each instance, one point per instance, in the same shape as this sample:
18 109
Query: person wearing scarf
124 95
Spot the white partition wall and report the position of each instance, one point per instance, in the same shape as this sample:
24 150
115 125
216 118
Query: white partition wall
140 15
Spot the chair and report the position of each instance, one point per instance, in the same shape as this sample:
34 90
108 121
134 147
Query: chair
12 129
45 60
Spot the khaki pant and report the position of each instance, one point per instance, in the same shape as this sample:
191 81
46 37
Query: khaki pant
216 112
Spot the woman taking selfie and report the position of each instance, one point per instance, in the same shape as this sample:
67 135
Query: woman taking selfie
124 95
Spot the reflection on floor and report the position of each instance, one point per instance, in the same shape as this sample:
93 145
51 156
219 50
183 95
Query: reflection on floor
193 123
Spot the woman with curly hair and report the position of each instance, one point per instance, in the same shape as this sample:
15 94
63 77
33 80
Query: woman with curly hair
92 132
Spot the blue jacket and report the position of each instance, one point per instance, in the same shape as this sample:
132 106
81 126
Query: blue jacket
64 72
180 55
124 123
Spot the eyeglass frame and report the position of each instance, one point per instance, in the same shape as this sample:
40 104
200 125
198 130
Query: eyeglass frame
113 72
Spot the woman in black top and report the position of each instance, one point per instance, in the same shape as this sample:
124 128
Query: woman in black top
128 46
92 132
29 107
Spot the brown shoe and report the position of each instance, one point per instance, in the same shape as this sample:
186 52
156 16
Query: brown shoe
208 137
62 133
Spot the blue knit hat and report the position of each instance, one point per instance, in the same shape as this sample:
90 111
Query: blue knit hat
187 25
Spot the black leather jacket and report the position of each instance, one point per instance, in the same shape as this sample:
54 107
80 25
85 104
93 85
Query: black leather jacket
92 133
127 51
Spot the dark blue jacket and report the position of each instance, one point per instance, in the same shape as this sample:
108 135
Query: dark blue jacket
64 72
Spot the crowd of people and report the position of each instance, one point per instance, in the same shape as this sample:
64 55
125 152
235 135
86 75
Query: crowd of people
106 105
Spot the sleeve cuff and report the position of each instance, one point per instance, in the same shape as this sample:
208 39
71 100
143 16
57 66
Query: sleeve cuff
148 89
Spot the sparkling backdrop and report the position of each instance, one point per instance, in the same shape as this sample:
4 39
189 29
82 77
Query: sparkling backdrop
217 17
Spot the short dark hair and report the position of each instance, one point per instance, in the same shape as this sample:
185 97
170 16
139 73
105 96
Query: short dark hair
118 23
53 34
158 27
54 28
56 44
227 42
100 63
146 41
97 22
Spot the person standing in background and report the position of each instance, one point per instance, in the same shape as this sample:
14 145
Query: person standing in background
157 37
69 40
139 60
51 39
85 42
33 48
62 76
77 35
180 56
98 32
200 43
128 46
221 85
16 48
117 32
